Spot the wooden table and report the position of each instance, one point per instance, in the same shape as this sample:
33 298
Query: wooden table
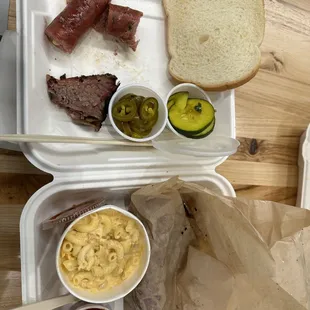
272 112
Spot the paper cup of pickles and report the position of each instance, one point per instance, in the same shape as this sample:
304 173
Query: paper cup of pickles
103 255
138 113
190 112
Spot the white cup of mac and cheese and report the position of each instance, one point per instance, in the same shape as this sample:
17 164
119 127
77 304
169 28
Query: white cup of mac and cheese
103 255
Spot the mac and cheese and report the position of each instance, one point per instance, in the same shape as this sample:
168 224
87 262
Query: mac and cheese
101 250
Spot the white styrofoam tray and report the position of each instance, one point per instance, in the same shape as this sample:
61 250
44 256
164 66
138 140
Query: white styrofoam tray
38 248
94 55
81 171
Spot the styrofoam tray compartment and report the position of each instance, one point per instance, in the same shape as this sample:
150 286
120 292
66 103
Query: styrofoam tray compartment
38 247
95 55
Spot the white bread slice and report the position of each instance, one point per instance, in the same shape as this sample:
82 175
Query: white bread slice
214 43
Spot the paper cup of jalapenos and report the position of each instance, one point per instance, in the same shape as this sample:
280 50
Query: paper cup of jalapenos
190 112
138 113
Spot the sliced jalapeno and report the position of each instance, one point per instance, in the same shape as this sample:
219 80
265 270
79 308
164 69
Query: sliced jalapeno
141 134
118 124
135 115
150 124
140 127
125 110
132 97
139 100
148 109
137 136
137 125
126 129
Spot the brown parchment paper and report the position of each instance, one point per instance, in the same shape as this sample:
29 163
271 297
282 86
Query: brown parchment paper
225 253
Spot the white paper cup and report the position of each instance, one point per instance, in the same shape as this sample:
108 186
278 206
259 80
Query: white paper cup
144 91
118 291
193 91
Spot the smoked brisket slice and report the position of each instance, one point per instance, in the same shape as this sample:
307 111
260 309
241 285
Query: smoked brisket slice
84 98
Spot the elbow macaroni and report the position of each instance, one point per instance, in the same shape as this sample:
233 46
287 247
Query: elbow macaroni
101 250
89 226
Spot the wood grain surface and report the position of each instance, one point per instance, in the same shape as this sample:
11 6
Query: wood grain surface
272 111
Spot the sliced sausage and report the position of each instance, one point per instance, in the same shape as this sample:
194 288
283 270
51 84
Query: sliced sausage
73 22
